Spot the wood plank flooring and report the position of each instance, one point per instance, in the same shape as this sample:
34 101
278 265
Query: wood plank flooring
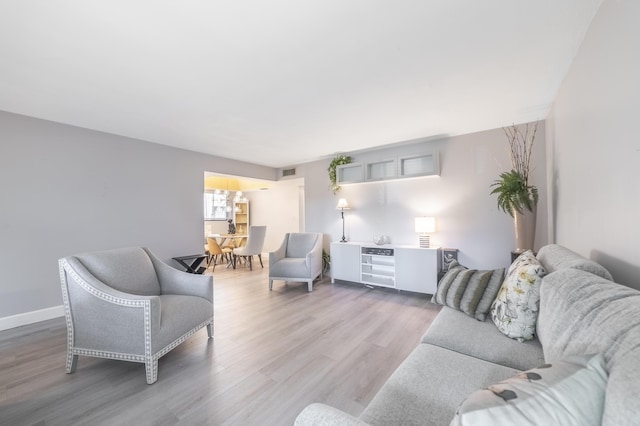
273 353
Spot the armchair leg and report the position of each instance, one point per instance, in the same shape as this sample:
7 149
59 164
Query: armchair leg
151 367
72 362
270 284
210 330
309 286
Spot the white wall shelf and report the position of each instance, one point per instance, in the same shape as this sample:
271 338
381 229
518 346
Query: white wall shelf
426 164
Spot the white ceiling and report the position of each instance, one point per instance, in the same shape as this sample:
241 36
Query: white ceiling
282 82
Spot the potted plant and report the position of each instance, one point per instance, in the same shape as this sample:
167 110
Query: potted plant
326 261
333 177
516 196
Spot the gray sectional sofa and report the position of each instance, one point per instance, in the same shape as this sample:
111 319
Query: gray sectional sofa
581 312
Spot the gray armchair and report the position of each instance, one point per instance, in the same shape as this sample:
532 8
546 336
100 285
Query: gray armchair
299 258
127 304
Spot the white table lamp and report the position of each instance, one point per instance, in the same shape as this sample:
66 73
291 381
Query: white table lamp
425 226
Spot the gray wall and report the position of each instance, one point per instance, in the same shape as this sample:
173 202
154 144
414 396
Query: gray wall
593 138
65 190
466 214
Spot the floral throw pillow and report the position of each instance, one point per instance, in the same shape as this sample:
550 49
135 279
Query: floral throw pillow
515 309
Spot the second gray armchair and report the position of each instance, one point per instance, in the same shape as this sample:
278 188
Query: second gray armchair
299 258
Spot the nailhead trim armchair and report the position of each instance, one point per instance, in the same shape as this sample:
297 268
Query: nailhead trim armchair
127 304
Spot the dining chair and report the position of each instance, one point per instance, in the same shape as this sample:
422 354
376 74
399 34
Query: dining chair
253 247
215 250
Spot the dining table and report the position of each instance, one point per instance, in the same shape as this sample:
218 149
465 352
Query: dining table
230 240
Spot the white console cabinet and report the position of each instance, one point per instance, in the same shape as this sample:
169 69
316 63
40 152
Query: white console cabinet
406 268
345 263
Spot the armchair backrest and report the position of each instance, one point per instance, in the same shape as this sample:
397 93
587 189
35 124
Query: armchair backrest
127 269
301 243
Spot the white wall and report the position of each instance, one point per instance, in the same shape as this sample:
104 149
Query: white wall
593 132
277 208
466 214
65 190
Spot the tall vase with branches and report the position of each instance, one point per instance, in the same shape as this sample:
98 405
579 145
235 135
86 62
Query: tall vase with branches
515 195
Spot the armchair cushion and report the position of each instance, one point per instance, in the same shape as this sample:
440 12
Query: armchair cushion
290 267
177 314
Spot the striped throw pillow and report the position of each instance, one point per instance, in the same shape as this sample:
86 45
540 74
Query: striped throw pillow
469 290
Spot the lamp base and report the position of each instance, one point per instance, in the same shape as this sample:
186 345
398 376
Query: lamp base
424 241
343 240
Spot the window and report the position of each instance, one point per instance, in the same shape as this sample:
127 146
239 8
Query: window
215 205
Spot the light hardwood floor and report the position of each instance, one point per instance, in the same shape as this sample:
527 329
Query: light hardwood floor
272 354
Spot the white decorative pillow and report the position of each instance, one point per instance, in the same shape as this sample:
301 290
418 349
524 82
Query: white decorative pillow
568 392
515 309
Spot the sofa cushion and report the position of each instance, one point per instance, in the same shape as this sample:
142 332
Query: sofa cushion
567 392
429 385
554 257
584 313
127 269
453 330
464 289
515 310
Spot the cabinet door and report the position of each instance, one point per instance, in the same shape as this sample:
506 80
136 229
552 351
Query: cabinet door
349 173
417 269
345 262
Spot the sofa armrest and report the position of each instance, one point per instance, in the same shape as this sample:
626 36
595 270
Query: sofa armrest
173 281
321 415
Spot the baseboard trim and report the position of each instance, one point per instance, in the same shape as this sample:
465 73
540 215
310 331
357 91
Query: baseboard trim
27 318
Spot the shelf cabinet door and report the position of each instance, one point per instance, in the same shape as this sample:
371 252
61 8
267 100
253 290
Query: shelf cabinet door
345 262
381 170
419 165
417 269
349 173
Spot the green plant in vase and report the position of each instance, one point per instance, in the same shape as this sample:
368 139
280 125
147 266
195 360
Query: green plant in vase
514 193
516 196
326 261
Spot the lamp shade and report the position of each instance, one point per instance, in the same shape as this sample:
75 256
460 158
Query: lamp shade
342 204
425 225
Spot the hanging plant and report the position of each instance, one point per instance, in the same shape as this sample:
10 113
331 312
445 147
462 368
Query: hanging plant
338 161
